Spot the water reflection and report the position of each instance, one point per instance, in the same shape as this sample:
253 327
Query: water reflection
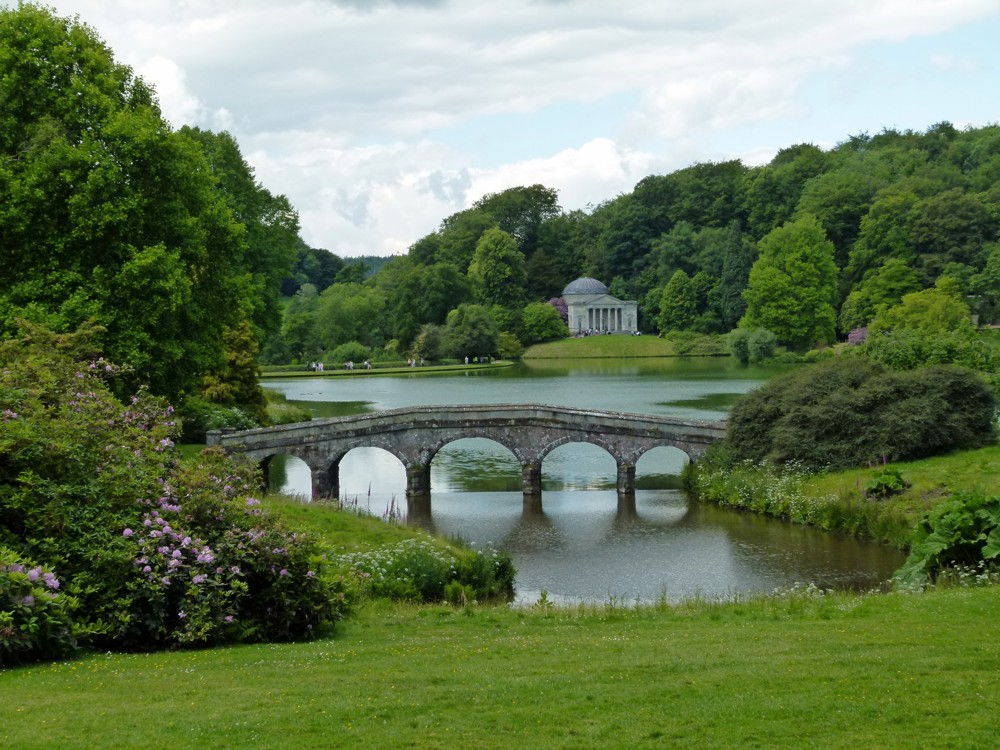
578 541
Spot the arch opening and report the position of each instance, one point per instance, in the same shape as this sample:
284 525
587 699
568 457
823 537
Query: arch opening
660 468
476 464
579 466
371 478
285 474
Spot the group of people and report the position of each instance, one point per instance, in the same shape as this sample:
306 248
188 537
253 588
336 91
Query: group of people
349 365
480 360
413 362
316 366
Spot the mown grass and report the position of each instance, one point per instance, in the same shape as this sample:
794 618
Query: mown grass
602 346
801 671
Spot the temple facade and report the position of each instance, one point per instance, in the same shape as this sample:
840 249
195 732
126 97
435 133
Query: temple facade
590 309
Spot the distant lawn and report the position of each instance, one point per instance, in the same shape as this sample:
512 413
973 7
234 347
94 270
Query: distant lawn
602 346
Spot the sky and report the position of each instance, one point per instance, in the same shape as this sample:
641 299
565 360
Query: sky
380 119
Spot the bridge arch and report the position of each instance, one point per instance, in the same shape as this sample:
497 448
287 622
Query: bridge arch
414 435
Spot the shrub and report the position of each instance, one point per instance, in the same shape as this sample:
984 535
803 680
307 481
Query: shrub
961 533
419 570
197 416
849 411
738 343
761 345
34 614
156 553
351 351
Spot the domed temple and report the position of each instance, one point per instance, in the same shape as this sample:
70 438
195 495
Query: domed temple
591 309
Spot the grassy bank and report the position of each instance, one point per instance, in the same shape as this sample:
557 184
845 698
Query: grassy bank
360 372
836 501
802 671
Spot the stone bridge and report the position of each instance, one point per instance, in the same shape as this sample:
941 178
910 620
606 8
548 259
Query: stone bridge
414 435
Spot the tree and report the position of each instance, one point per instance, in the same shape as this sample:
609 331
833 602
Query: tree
540 321
346 312
678 304
939 310
108 215
270 224
471 332
520 212
878 292
793 285
497 271
726 298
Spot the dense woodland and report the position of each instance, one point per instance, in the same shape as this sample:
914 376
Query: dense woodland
811 246
194 271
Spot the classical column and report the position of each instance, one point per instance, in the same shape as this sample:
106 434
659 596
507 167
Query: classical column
418 480
531 479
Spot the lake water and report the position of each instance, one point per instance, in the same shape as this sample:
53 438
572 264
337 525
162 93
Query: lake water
581 544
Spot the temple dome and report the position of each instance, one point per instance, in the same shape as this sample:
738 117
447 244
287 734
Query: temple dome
585 285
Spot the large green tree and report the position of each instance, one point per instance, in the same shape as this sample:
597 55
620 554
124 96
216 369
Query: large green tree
106 214
793 285
498 272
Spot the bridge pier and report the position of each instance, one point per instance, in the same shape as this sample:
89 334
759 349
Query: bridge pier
418 480
531 479
626 479
325 483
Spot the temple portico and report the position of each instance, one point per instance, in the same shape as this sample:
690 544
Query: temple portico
591 309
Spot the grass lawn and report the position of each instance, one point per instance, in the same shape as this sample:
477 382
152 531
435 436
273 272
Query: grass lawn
805 671
931 479
602 346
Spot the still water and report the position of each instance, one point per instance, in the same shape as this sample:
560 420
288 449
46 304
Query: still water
581 545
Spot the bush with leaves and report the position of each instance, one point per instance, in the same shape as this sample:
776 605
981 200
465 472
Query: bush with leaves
155 552
419 570
35 616
961 533
850 411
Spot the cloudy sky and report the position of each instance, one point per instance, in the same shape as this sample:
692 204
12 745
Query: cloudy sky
380 118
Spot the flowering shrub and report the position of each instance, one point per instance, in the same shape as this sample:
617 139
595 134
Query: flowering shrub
156 553
34 614
418 570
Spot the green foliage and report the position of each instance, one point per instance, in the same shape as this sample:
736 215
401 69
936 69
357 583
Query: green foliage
738 344
352 351
108 215
885 482
419 570
962 532
849 411
471 332
540 321
761 345
793 285
157 553
940 310
345 313
429 344
783 491
678 304
497 270
508 346
35 617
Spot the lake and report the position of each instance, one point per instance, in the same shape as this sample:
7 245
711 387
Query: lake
581 545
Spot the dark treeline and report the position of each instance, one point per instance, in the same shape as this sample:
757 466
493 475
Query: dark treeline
873 219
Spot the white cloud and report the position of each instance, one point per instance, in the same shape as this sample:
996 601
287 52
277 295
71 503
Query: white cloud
344 106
